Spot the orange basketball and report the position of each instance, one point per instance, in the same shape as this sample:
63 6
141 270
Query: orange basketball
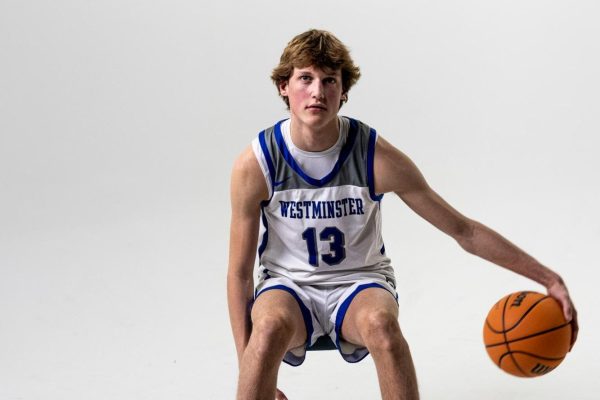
526 334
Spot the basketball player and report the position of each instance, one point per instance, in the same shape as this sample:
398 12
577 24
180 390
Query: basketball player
307 192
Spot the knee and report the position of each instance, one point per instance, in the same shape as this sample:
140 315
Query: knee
272 332
381 332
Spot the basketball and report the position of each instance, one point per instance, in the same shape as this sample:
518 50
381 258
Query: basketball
526 334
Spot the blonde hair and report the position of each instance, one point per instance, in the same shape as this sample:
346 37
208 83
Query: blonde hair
320 49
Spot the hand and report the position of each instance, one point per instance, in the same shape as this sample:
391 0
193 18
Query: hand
280 396
559 291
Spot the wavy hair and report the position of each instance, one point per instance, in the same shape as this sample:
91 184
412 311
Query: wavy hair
320 49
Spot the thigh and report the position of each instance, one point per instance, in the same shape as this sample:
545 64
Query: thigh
367 304
277 307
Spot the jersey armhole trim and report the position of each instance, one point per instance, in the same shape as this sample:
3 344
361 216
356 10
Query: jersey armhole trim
265 238
370 162
269 160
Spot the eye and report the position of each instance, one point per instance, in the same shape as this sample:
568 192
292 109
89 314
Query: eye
330 80
305 78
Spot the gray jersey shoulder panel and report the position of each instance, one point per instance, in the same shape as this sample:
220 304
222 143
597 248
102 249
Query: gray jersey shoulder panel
353 171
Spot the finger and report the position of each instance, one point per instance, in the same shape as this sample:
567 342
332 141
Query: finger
565 304
280 396
574 330
568 313
567 310
563 299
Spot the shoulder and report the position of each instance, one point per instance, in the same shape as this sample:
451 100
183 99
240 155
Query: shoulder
245 162
394 170
247 179
387 155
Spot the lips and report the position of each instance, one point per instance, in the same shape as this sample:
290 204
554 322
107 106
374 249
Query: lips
318 107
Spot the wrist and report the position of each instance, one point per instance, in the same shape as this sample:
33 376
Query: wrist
552 279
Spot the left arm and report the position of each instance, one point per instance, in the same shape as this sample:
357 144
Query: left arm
395 172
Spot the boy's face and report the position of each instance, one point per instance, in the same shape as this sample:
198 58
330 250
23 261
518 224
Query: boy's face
314 95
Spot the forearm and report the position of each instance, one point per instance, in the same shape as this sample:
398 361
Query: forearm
239 299
488 244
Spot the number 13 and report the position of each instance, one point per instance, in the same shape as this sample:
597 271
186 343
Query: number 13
336 240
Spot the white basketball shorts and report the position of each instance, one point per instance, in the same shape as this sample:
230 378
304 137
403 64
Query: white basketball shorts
323 309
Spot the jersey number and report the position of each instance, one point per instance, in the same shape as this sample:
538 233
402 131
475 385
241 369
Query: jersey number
336 240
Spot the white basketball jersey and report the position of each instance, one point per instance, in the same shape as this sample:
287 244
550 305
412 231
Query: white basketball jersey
324 231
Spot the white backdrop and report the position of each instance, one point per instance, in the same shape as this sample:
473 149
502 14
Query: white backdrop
119 122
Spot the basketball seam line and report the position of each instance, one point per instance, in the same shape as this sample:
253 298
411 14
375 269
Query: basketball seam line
535 355
506 340
528 336
520 319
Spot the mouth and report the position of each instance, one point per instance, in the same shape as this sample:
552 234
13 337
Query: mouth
317 107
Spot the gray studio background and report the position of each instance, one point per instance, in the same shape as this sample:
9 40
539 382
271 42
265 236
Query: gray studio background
119 122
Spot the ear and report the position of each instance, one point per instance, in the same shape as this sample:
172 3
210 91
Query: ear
283 88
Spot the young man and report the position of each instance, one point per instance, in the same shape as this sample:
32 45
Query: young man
307 192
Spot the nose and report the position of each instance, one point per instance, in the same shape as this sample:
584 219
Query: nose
318 90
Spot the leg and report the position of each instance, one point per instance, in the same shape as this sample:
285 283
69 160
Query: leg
277 326
372 321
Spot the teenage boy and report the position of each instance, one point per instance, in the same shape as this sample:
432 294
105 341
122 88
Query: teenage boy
307 192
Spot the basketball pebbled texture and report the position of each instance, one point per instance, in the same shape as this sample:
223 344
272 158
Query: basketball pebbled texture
526 334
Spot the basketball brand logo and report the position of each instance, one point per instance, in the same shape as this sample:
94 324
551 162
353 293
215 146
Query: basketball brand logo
541 369
519 299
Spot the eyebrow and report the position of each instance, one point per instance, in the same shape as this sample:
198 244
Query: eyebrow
327 74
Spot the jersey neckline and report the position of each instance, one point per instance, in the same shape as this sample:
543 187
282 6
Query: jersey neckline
286 131
344 153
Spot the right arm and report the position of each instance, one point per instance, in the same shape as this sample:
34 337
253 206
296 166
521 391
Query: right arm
248 189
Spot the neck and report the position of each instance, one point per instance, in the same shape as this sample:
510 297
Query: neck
308 138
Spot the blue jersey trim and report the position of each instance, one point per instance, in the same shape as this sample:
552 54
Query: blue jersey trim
306 315
339 319
265 238
265 150
345 152
370 169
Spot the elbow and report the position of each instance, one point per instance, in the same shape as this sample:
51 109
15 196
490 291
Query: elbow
465 234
